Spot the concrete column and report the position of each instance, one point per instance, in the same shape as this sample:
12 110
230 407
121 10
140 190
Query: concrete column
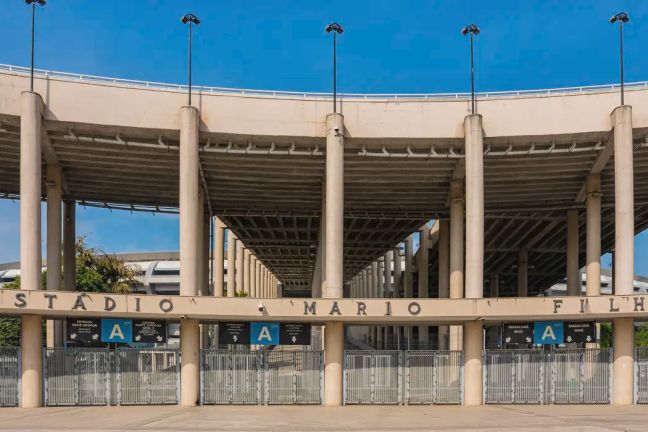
240 266
387 273
423 270
259 285
474 149
593 235
623 200
54 245
473 380
219 262
69 245
231 264
252 271
30 244
334 272
573 275
189 202
203 247
246 271
444 275
190 247
190 365
456 255
409 263
623 367
374 294
523 267
397 272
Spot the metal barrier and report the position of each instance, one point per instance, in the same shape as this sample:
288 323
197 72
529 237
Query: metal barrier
9 376
641 375
261 377
373 377
563 376
95 376
433 377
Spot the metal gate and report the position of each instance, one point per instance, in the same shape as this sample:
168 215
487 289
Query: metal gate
433 377
563 376
9 376
95 376
641 374
261 377
372 377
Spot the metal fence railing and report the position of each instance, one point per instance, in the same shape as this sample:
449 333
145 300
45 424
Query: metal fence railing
402 377
9 376
641 375
563 376
261 377
95 376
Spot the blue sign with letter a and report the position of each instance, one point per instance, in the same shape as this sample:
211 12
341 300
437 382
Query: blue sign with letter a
116 330
264 333
548 332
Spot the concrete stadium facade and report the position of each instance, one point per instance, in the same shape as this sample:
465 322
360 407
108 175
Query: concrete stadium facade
523 194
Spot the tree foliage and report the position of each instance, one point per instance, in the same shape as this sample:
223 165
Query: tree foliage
96 271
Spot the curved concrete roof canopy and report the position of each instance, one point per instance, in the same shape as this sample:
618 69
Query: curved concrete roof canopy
262 161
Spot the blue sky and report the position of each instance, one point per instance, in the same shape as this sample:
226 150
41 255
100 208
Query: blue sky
388 46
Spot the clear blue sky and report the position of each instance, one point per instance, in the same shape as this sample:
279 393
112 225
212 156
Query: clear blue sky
388 46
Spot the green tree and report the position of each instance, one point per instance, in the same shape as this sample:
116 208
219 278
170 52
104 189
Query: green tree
96 271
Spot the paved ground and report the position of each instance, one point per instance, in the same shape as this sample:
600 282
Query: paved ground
352 418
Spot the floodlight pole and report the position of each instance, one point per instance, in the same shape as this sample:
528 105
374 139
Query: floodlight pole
190 19
471 30
33 37
336 29
621 18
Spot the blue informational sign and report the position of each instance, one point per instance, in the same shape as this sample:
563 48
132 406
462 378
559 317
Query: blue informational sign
116 330
264 333
548 332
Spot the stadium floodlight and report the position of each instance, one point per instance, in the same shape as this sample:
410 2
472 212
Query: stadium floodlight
33 4
336 29
621 18
190 19
471 30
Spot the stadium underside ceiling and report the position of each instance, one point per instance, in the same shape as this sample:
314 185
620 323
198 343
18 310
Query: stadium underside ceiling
268 190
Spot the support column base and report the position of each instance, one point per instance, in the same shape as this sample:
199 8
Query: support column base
190 362
623 369
333 363
473 373
31 345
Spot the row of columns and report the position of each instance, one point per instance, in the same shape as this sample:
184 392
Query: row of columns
192 235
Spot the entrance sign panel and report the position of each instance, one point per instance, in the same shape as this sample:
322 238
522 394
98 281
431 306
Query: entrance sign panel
295 334
580 331
83 331
116 330
518 333
264 333
548 332
149 331
234 333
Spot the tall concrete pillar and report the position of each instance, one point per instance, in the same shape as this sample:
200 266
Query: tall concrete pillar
473 379
246 271
593 235
409 263
423 271
231 263
69 245
623 366
334 331
54 245
397 272
623 200
573 275
252 272
219 259
523 271
30 244
259 284
387 290
456 255
190 247
444 276
240 266
474 149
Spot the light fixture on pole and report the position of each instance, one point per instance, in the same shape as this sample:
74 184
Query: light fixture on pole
471 30
190 19
33 4
621 18
336 29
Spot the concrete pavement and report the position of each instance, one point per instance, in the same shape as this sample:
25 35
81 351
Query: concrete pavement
350 418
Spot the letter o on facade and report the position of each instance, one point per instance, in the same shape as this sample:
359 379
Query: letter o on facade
414 308
166 305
